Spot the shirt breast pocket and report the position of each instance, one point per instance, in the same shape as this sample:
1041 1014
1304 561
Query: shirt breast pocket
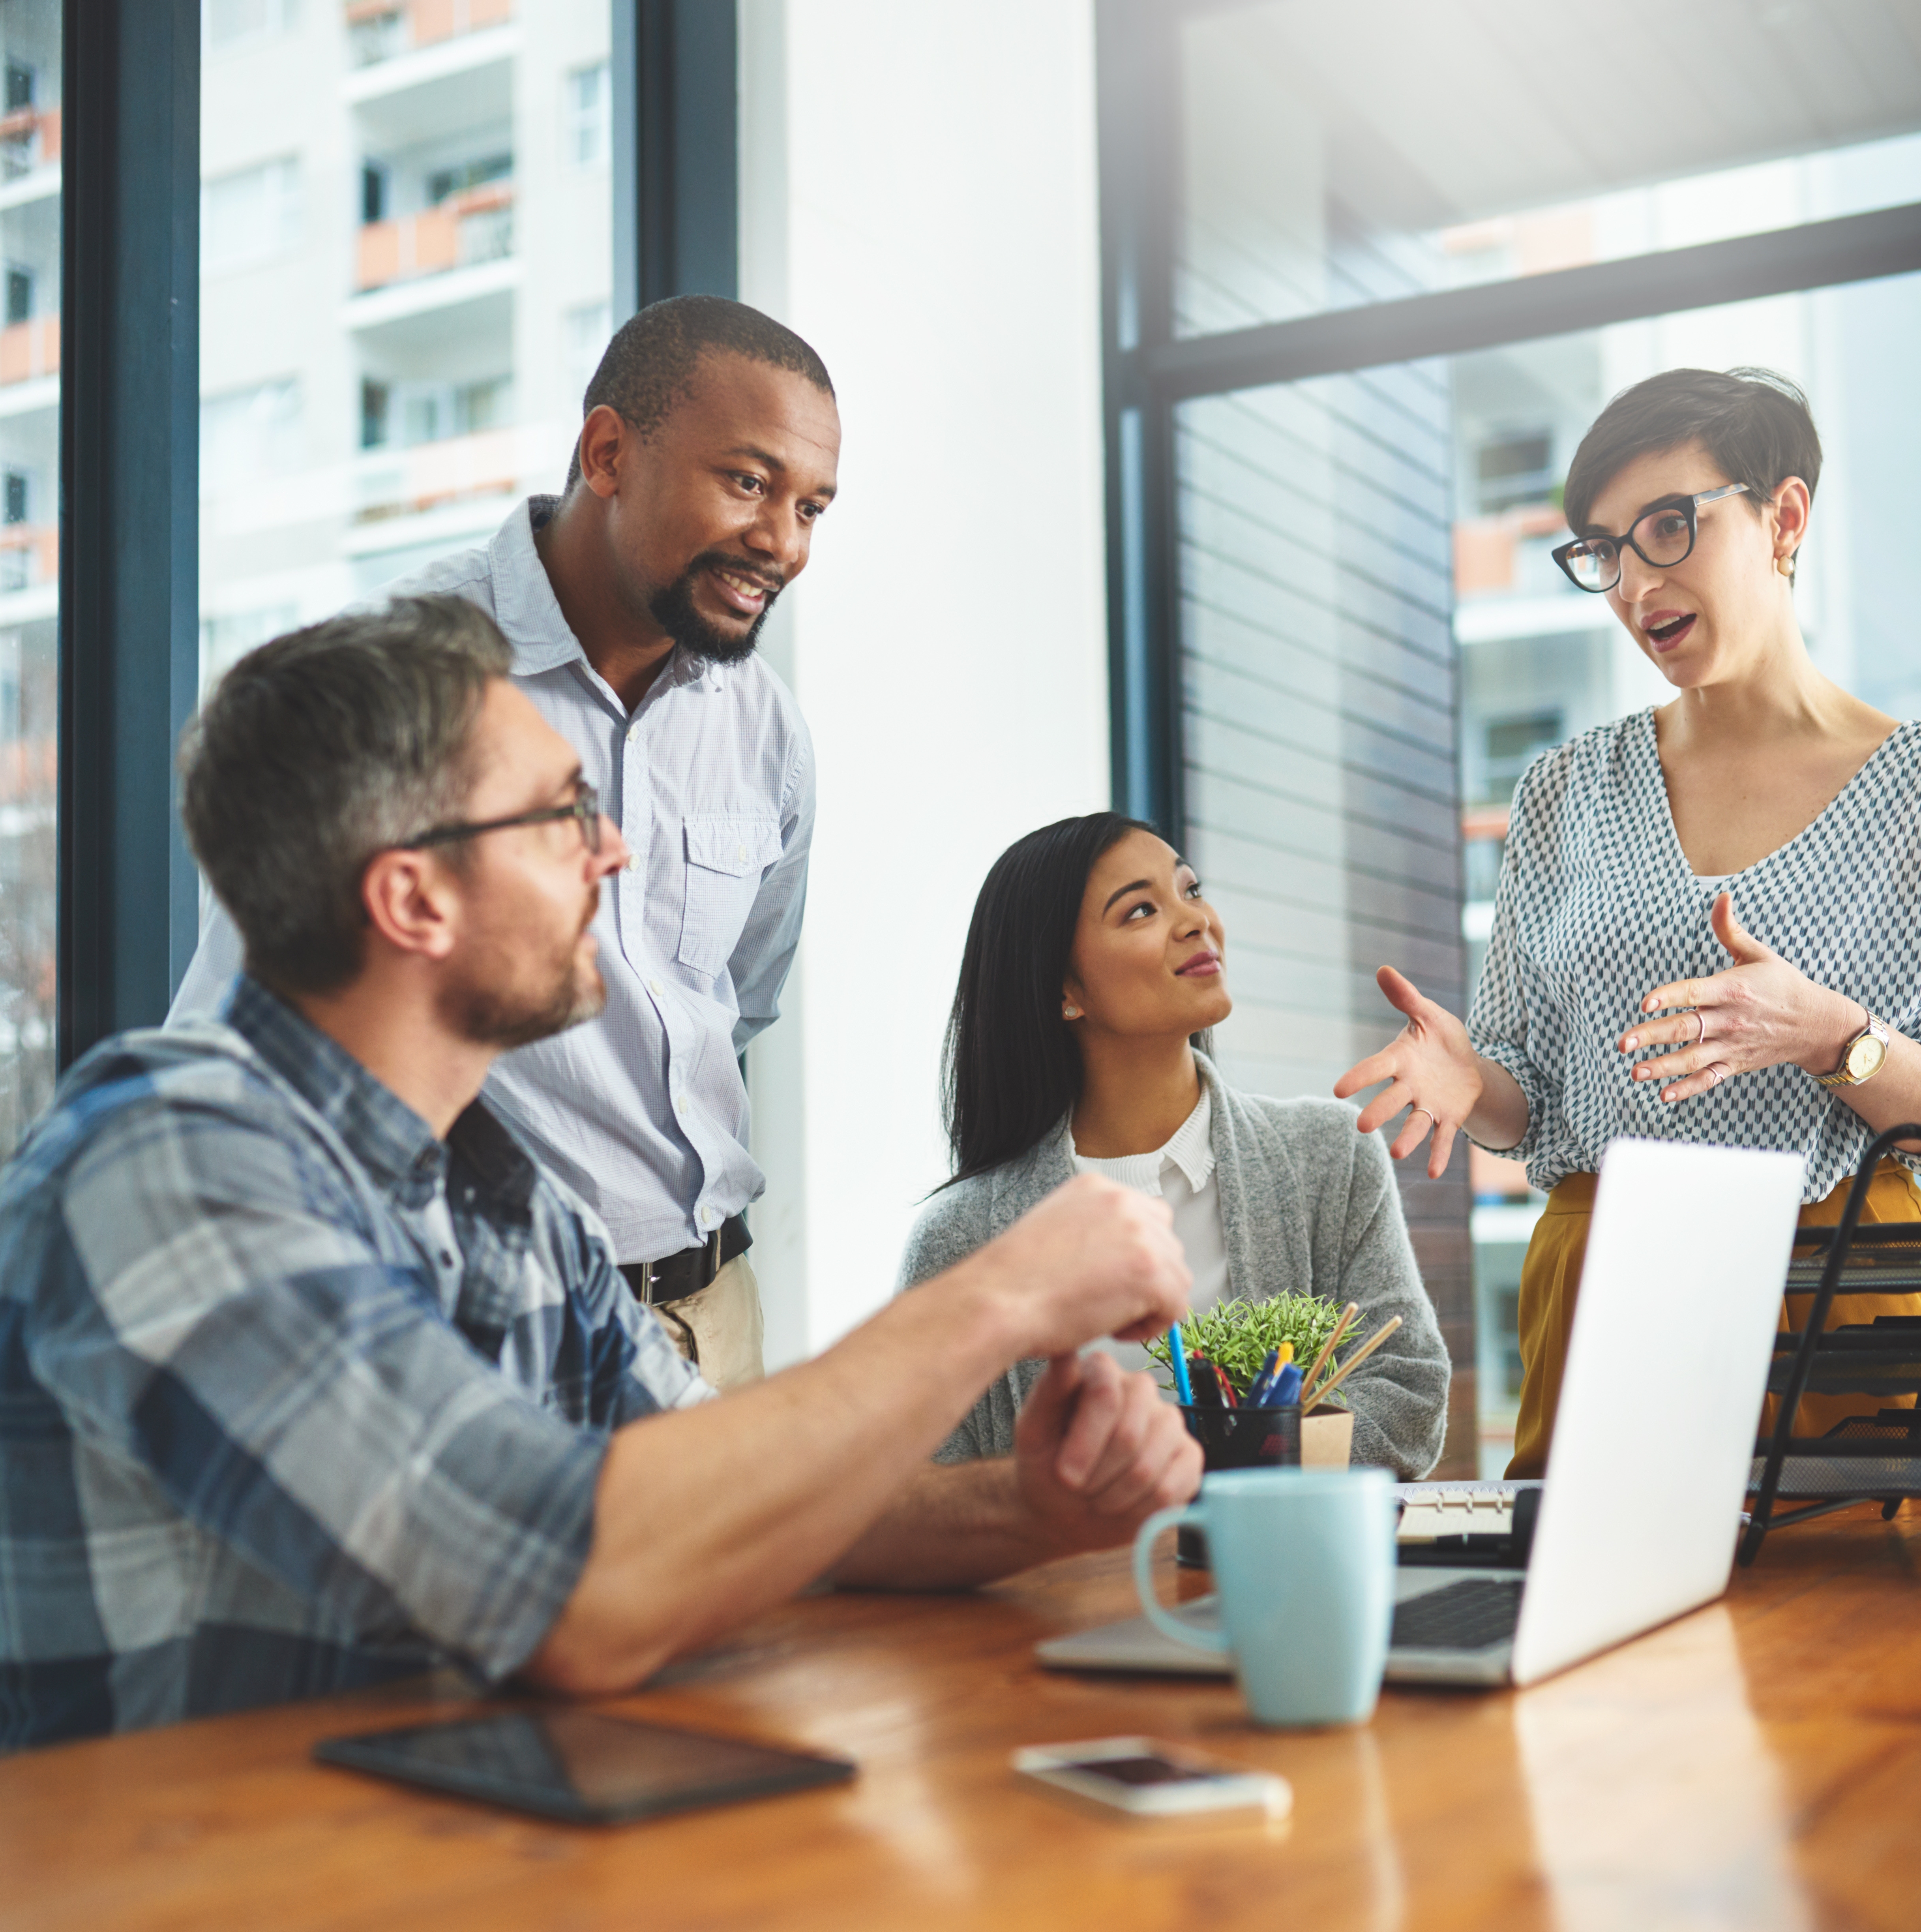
726 856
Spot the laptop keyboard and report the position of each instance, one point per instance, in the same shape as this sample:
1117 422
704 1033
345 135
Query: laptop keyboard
1467 1616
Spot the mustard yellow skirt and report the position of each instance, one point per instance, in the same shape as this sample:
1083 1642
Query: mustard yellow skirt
1551 1284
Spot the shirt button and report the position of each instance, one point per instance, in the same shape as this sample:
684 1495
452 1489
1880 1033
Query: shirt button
633 732
654 986
634 861
741 854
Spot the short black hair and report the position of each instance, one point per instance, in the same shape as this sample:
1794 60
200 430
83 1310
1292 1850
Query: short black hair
1755 423
318 751
1011 1071
649 365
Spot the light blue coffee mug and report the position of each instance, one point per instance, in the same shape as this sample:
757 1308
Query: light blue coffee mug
1303 1563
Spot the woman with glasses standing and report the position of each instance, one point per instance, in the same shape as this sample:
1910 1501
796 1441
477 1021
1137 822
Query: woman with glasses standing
1708 925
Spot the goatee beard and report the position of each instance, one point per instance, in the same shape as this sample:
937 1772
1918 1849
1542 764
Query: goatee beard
673 610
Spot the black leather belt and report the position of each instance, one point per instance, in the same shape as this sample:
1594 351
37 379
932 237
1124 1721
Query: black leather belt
690 1270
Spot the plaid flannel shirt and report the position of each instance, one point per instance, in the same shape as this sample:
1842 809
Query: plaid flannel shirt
293 1397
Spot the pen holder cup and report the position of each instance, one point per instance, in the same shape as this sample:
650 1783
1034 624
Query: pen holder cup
1235 1438
1232 1438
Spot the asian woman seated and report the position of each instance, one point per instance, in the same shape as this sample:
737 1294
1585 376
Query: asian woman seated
1094 969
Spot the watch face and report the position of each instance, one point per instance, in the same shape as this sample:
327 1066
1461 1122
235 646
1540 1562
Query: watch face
1865 1057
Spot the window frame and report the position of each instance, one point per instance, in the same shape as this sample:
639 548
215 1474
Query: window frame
129 514
1146 370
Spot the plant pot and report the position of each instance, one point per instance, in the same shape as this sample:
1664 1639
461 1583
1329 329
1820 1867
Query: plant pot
1327 1437
1236 1438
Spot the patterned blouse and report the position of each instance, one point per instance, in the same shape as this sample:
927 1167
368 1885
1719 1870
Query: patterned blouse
1597 906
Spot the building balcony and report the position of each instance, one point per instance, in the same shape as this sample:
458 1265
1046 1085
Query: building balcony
427 476
29 138
465 229
29 556
1487 550
30 349
29 771
382 30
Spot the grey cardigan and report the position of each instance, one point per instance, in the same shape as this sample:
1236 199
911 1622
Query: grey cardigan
1307 1206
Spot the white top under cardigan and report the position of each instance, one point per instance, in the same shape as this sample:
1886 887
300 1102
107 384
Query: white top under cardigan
1598 906
1182 1174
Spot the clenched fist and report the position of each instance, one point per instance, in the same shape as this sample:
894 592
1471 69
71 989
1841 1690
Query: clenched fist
1094 1258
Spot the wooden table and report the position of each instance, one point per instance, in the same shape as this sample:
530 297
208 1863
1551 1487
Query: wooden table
1755 1765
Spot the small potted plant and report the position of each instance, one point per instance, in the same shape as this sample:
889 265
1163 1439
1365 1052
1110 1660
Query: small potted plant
1240 1335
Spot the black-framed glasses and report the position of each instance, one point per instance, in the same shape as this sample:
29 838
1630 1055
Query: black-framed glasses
585 811
1662 535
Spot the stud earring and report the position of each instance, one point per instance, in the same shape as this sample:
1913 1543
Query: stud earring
1785 564
1070 1012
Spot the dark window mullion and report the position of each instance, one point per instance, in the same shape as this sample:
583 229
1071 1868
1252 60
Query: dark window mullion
129 509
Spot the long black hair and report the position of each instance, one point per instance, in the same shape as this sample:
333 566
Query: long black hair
1011 1071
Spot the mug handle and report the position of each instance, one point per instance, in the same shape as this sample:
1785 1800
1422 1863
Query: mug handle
1176 1628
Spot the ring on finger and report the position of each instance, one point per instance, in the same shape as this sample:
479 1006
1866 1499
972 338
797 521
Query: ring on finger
1700 1024
1716 1074
1413 1111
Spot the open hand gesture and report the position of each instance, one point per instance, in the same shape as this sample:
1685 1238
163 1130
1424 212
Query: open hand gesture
1760 1012
1430 1068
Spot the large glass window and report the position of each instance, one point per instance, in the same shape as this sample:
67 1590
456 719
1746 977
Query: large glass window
1540 661
29 551
406 278
1368 638
1370 617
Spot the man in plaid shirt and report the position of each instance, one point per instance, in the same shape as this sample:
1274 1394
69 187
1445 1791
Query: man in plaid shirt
310 1377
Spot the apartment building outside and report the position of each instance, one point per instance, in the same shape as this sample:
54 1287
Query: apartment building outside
406 272
29 550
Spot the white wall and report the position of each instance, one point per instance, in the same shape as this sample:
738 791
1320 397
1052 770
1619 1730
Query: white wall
919 190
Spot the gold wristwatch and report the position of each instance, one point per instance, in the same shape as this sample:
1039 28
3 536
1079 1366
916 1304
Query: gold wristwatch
1863 1058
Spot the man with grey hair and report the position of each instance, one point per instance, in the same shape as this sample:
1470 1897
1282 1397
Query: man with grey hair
633 602
310 1376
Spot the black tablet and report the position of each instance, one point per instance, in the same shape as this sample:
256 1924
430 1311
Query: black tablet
581 1766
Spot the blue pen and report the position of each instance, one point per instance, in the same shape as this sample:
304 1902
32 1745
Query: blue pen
1258 1389
1286 1393
1177 1353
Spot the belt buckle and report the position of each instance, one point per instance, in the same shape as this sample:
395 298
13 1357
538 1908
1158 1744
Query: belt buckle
646 1284
713 1257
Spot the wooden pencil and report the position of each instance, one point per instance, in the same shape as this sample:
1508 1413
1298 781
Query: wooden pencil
1327 1347
1355 1360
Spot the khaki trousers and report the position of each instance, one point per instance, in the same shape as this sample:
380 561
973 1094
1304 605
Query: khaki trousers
725 1318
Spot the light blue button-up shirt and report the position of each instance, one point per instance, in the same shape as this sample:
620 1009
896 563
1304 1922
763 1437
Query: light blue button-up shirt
711 781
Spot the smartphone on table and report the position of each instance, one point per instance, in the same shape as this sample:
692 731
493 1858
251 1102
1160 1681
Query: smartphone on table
1149 1778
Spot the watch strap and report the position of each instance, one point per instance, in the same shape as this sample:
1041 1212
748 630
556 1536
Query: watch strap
1841 1077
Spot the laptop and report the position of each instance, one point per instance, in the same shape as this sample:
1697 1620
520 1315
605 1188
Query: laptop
1640 1506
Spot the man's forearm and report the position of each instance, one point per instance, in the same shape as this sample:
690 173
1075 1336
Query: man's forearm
953 1525
705 1516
